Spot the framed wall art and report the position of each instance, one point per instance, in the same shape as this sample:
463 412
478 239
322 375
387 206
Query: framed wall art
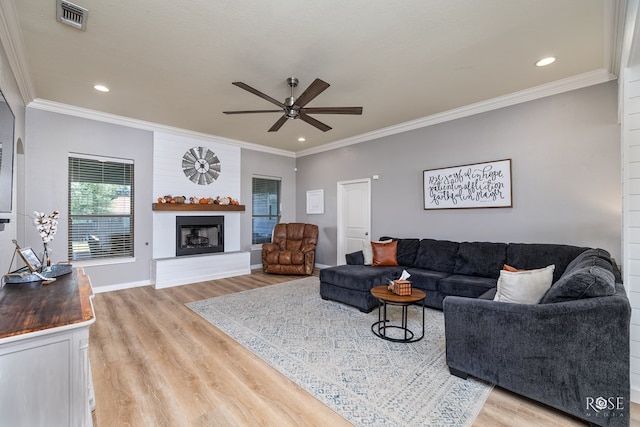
315 202
478 185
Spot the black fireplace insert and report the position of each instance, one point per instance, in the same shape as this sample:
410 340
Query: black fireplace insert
199 235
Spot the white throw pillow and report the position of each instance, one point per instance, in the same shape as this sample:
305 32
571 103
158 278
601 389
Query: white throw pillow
368 252
524 287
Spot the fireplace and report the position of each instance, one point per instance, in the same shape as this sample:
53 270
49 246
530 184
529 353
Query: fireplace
199 235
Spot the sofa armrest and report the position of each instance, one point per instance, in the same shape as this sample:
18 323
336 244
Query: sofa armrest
308 248
560 354
270 247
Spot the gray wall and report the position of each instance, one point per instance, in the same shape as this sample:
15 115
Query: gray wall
50 137
566 175
255 163
9 88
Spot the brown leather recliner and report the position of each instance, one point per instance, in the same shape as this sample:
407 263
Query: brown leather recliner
292 249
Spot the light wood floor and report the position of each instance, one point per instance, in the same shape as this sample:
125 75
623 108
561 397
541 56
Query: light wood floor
156 363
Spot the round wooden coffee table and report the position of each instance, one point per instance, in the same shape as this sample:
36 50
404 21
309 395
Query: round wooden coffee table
386 297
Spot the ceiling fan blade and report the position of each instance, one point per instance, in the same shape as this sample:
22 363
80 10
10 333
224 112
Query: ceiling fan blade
252 111
258 93
316 88
314 122
277 125
332 110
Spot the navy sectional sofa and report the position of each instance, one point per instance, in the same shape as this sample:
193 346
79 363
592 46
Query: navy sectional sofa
570 351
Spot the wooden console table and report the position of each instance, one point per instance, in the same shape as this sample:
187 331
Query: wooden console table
44 352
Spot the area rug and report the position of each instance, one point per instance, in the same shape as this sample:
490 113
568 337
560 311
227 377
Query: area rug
329 350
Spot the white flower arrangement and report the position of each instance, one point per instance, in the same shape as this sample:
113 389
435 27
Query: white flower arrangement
47 225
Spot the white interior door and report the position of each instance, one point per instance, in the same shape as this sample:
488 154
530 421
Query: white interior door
354 216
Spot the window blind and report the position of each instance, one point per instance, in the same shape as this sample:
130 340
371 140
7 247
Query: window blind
101 196
265 208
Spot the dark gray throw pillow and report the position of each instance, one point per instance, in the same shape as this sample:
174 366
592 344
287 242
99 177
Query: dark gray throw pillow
355 258
581 283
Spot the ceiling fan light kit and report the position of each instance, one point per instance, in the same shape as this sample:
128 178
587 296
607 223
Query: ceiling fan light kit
294 108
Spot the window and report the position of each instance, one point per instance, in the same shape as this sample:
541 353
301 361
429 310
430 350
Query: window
100 207
266 208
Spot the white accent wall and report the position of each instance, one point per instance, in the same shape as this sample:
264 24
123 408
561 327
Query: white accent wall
631 216
168 179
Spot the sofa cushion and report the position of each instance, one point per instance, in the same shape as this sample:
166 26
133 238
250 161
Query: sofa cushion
359 277
465 286
581 283
437 255
482 259
531 256
524 287
425 279
384 254
407 250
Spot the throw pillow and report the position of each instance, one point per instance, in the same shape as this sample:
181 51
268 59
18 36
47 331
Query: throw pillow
384 253
367 251
524 287
581 283
509 268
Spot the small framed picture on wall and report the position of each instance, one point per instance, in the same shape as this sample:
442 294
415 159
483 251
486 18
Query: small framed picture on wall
315 202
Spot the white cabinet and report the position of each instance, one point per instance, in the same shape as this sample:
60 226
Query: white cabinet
45 377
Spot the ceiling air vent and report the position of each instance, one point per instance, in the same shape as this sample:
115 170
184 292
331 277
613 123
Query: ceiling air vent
71 14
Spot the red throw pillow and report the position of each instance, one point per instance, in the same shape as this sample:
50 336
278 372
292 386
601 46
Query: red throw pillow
511 269
384 253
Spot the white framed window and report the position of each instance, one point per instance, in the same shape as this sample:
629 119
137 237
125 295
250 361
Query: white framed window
265 197
101 196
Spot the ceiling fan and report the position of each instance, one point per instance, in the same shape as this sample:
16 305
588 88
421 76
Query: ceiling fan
294 108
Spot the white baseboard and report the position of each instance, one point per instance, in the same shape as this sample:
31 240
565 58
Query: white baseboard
635 395
318 266
120 286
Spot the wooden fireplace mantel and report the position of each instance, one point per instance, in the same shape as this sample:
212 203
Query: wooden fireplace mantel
197 207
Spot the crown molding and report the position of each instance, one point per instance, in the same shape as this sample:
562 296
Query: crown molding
13 44
542 91
70 110
614 27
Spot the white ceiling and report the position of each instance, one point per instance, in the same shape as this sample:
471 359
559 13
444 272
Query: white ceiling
172 62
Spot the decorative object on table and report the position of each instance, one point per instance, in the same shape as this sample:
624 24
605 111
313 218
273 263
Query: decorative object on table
30 259
201 165
30 273
479 185
47 226
401 286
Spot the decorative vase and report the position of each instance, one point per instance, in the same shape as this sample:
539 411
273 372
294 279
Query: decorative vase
46 258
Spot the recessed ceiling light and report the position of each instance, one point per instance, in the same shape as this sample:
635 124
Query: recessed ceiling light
545 61
101 88
301 139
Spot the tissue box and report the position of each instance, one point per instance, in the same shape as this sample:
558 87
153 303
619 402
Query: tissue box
400 287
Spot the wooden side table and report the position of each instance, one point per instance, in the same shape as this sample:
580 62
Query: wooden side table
386 297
